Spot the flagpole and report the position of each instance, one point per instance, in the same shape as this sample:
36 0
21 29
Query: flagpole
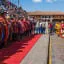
18 3
10 3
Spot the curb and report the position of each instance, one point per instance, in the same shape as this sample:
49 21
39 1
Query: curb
49 61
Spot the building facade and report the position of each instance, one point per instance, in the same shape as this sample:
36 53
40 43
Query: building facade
47 16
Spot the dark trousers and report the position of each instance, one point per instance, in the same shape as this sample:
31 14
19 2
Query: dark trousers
43 30
14 36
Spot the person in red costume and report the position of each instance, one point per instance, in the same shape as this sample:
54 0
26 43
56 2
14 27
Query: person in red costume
19 29
29 27
1 31
14 29
24 26
62 24
5 28
62 29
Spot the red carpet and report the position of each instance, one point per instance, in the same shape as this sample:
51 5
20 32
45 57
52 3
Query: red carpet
15 53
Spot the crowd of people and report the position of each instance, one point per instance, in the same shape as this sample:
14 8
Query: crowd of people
16 28
49 27
40 28
43 27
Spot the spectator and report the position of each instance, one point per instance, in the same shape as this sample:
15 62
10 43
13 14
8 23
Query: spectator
50 28
37 27
43 28
46 26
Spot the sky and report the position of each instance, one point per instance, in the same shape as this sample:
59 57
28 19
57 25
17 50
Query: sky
41 5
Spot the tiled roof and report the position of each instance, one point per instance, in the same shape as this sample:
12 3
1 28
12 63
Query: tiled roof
46 13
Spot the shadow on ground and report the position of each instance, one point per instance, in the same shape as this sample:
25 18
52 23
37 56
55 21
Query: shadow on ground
13 48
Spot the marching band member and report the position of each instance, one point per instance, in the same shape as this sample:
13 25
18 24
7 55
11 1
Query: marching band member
1 30
4 28
14 29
